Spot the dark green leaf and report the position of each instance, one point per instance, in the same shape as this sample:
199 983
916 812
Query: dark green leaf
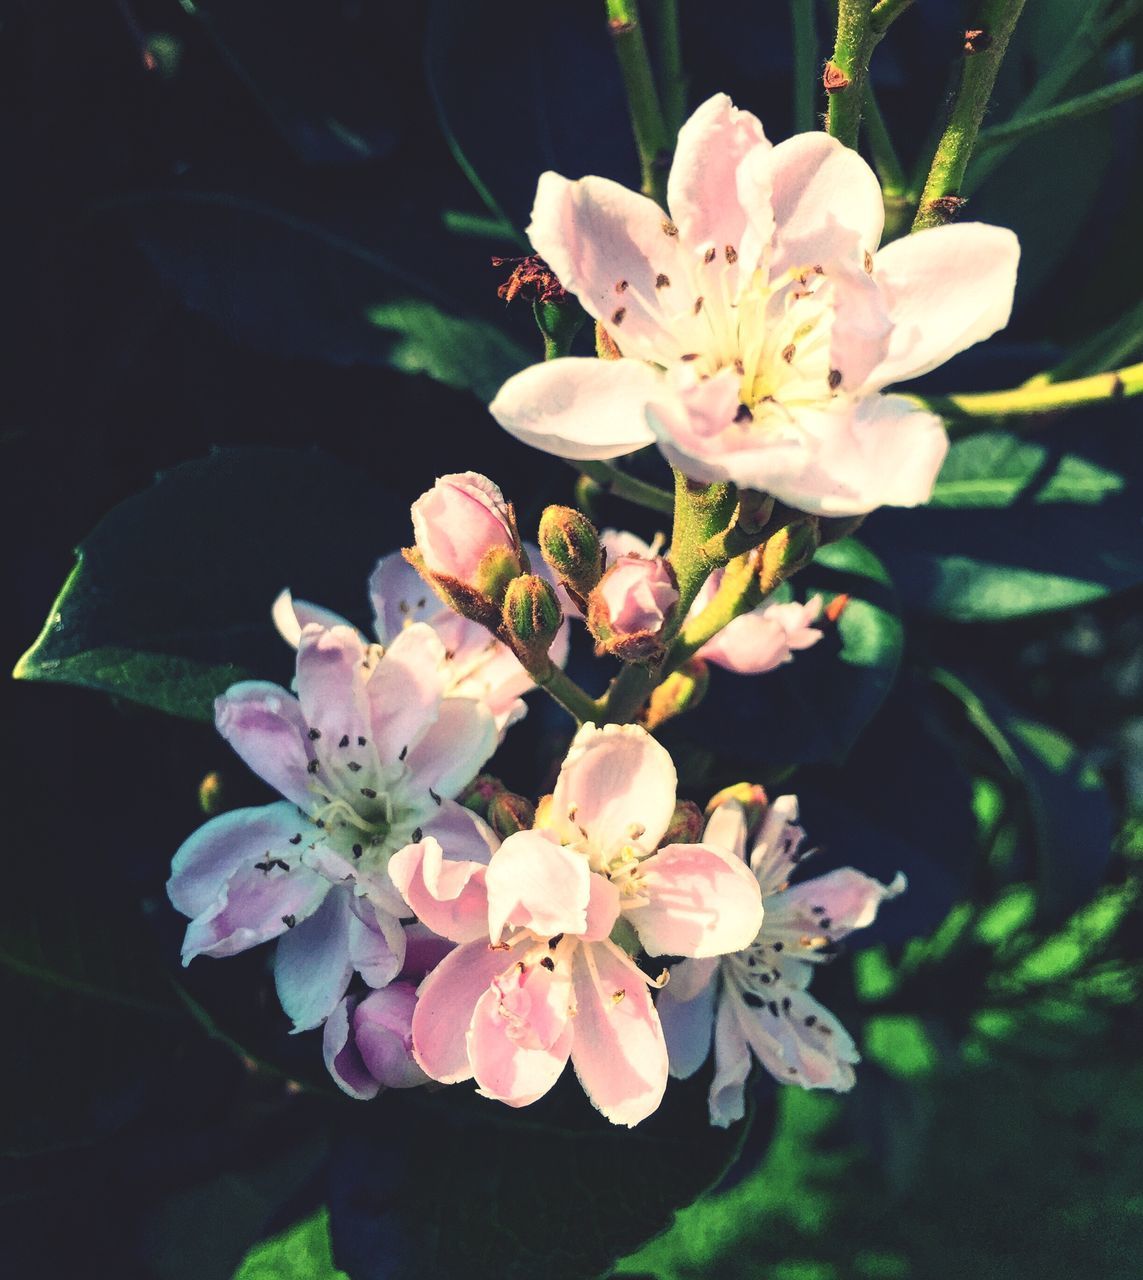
170 600
1020 526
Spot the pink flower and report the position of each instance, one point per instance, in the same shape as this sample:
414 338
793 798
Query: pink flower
759 323
366 757
476 666
631 604
756 1002
535 979
463 525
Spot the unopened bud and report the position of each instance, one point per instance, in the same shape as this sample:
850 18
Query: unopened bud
211 798
633 602
685 826
480 793
570 544
789 550
749 795
681 691
509 813
532 616
467 548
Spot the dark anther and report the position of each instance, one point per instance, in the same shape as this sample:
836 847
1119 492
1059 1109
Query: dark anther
264 867
313 766
403 753
778 946
617 315
361 741
344 740
810 1019
669 228
280 862
731 254
789 351
436 798
772 1005
708 257
755 1002
289 921
296 839
786 1004
353 767
662 281
553 943
418 835
698 305
314 735
834 379
548 963
357 851
621 286
369 793
743 414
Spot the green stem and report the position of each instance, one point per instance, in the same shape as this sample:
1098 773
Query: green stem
1085 104
1037 397
894 180
618 482
997 19
806 65
671 66
846 71
570 696
1093 30
737 594
647 122
885 13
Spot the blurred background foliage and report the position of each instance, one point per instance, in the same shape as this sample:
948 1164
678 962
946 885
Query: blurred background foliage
246 246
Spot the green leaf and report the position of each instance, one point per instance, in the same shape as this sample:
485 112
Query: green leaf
812 709
1066 807
454 1185
303 1252
169 602
301 289
1020 526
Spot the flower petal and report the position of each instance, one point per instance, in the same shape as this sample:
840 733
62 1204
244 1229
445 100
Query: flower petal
726 829
521 1034
445 1004
809 916
312 965
376 941
946 288
290 616
727 1097
700 902
614 249
617 785
535 883
797 1040
210 856
686 1010
382 1029
405 690
827 202
451 751
619 1053
777 848
702 189
764 638
265 726
580 408
448 896
343 1059
400 597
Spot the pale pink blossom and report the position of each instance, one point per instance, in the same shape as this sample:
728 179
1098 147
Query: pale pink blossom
459 522
759 323
536 979
755 1002
631 604
367 757
477 665
760 640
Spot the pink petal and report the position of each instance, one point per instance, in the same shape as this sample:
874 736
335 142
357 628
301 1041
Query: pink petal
827 203
535 883
946 288
445 1004
797 1040
810 915
451 751
211 855
312 964
702 190
405 690
449 897
726 829
617 785
765 638
619 1053
343 1059
700 902
686 1010
376 941
727 1097
521 1033
332 692
613 249
424 950
400 597
580 408
603 909
458 521
382 1029
265 726
290 616
777 848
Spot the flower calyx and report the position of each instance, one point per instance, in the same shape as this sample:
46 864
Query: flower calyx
570 544
531 616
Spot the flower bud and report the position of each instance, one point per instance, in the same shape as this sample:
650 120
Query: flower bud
789 550
570 544
749 795
480 793
686 824
681 691
630 606
467 544
532 616
509 813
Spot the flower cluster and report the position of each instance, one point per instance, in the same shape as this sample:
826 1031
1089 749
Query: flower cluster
444 930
